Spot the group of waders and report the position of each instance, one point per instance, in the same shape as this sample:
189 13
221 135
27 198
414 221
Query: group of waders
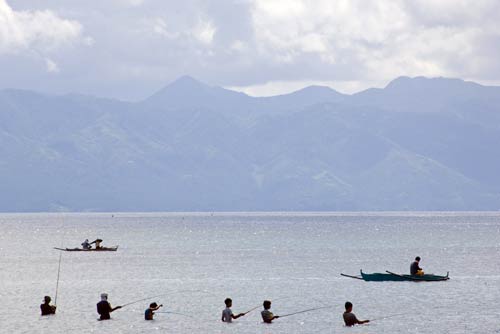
104 309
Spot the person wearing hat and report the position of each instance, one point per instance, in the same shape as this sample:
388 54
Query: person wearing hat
46 308
149 313
104 307
97 243
415 267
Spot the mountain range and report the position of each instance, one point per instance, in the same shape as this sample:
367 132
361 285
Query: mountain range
417 144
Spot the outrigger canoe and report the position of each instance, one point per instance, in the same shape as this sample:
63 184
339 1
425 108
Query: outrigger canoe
390 276
101 249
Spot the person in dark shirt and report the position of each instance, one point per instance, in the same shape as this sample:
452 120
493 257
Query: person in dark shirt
350 318
149 313
46 308
268 316
415 268
104 307
86 245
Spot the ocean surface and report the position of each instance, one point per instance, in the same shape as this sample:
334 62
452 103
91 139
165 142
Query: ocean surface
190 262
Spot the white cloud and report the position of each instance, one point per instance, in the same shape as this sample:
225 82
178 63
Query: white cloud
204 31
40 31
278 87
382 39
160 28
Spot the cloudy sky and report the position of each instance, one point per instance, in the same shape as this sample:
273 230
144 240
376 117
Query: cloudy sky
130 48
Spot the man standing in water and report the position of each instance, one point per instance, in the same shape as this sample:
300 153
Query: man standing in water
149 313
415 268
227 313
46 308
350 318
104 307
268 316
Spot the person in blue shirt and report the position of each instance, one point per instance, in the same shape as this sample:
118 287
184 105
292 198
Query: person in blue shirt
149 313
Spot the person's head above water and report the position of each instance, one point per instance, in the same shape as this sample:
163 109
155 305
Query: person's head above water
417 259
104 296
228 302
47 299
348 306
267 304
153 305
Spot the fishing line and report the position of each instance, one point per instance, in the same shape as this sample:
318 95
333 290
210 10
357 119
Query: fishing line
175 313
162 295
260 305
287 297
304 311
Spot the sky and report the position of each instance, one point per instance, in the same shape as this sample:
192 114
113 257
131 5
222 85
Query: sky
128 49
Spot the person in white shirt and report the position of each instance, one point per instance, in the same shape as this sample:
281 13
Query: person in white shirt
227 313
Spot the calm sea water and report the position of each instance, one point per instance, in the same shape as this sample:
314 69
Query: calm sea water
197 260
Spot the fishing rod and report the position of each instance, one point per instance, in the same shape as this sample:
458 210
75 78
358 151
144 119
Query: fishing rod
252 309
304 311
59 265
390 316
260 305
58 275
162 295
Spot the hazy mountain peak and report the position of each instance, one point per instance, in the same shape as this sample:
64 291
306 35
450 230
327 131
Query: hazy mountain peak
187 81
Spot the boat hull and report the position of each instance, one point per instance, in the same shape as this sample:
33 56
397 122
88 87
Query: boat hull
102 249
390 276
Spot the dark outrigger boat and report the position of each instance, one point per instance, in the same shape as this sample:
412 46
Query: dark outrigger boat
100 249
390 276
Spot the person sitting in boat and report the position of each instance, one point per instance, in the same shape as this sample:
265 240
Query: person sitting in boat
86 245
97 243
149 313
350 318
46 308
104 307
415 268
268 316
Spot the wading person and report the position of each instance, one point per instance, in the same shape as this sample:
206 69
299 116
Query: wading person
415 267
149 313
350 318
104 307
46 308
227 313
268 316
